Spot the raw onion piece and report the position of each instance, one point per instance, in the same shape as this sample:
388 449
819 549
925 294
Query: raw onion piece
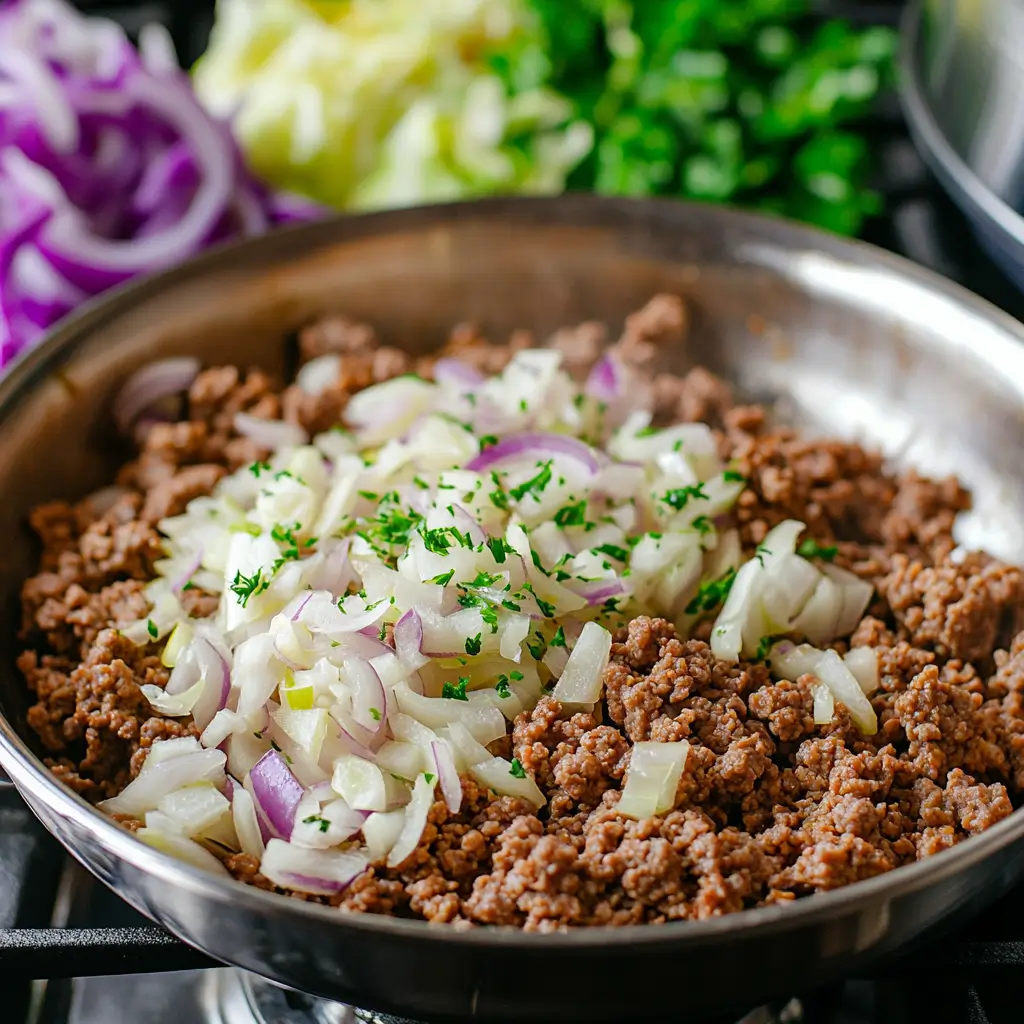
447 775
361 783
182 848
415 821
583 677
156 780
863 663
320 828
269 434
276 793
528 449
485 723
323 872
381 831
319 374
497 773
195 809
247 826
651 779
150 384
791 661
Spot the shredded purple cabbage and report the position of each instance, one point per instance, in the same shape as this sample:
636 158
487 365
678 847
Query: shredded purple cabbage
109 166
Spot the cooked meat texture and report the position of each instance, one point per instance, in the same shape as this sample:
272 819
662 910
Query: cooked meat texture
770 807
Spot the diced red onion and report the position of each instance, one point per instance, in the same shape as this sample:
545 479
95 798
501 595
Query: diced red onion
605 380
522 447
447 775
180 581
457 375
277 793
218 682
324 872
598 591
368 695
150 384
271 434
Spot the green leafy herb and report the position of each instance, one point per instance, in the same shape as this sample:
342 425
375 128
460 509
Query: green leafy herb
429 776
812 549
572 515
369 495
732 476
614 551
517 770
444 578
482 579
245 587
488 441
535 486
259 467
455 691
679 496
473 644
151 628
711 593
515 675
703 525
502 687
764 645
558 640
375 714
500 548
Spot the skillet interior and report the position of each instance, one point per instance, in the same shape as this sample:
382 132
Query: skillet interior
849 341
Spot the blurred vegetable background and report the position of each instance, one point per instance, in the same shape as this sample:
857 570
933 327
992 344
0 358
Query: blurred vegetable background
368 103
114 162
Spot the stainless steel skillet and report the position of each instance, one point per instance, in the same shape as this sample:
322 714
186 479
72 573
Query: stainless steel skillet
849 339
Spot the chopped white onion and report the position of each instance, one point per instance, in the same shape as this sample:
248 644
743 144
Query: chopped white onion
652 778
415 821
583 677
324 872
863 663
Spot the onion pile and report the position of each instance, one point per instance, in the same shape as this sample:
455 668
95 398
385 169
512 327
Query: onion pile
395 591
109 166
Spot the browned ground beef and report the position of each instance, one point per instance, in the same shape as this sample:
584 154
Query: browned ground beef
771 807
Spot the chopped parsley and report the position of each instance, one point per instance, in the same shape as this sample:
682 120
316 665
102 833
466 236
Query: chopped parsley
614 551
764 645
483 579
515 676
456 691
536 648
558 640
442 579
646 431
487 441
572 515
502 687
511 605
437 541
547 609
703 525
369 495
245 587
285 535
535 485
812 549
760 553
473 644
382 633
375 714
429 776
315 819
420 483
711 593
500 548
151 628
517 771
679 496
732 476
259 467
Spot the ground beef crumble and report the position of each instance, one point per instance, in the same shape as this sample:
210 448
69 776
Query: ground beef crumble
771 807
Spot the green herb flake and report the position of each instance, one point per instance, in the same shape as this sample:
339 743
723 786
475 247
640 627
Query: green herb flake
259 467
515 675
711 593
455 691
558 640
151 628
245 587
517 771
646 432
535 486
473 644
703 525
375 714
679 496
444 578
732 476
764 646
572 515
429 776
502 687
488 441
369 495
812 549
614 551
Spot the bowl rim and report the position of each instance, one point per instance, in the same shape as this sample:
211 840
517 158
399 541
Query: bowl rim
40 786
960 181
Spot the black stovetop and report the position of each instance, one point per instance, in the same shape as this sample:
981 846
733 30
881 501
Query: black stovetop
58 924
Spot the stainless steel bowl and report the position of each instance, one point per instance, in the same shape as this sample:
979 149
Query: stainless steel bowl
849 339
962 87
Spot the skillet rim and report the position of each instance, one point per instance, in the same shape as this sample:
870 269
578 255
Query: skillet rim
1002 355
